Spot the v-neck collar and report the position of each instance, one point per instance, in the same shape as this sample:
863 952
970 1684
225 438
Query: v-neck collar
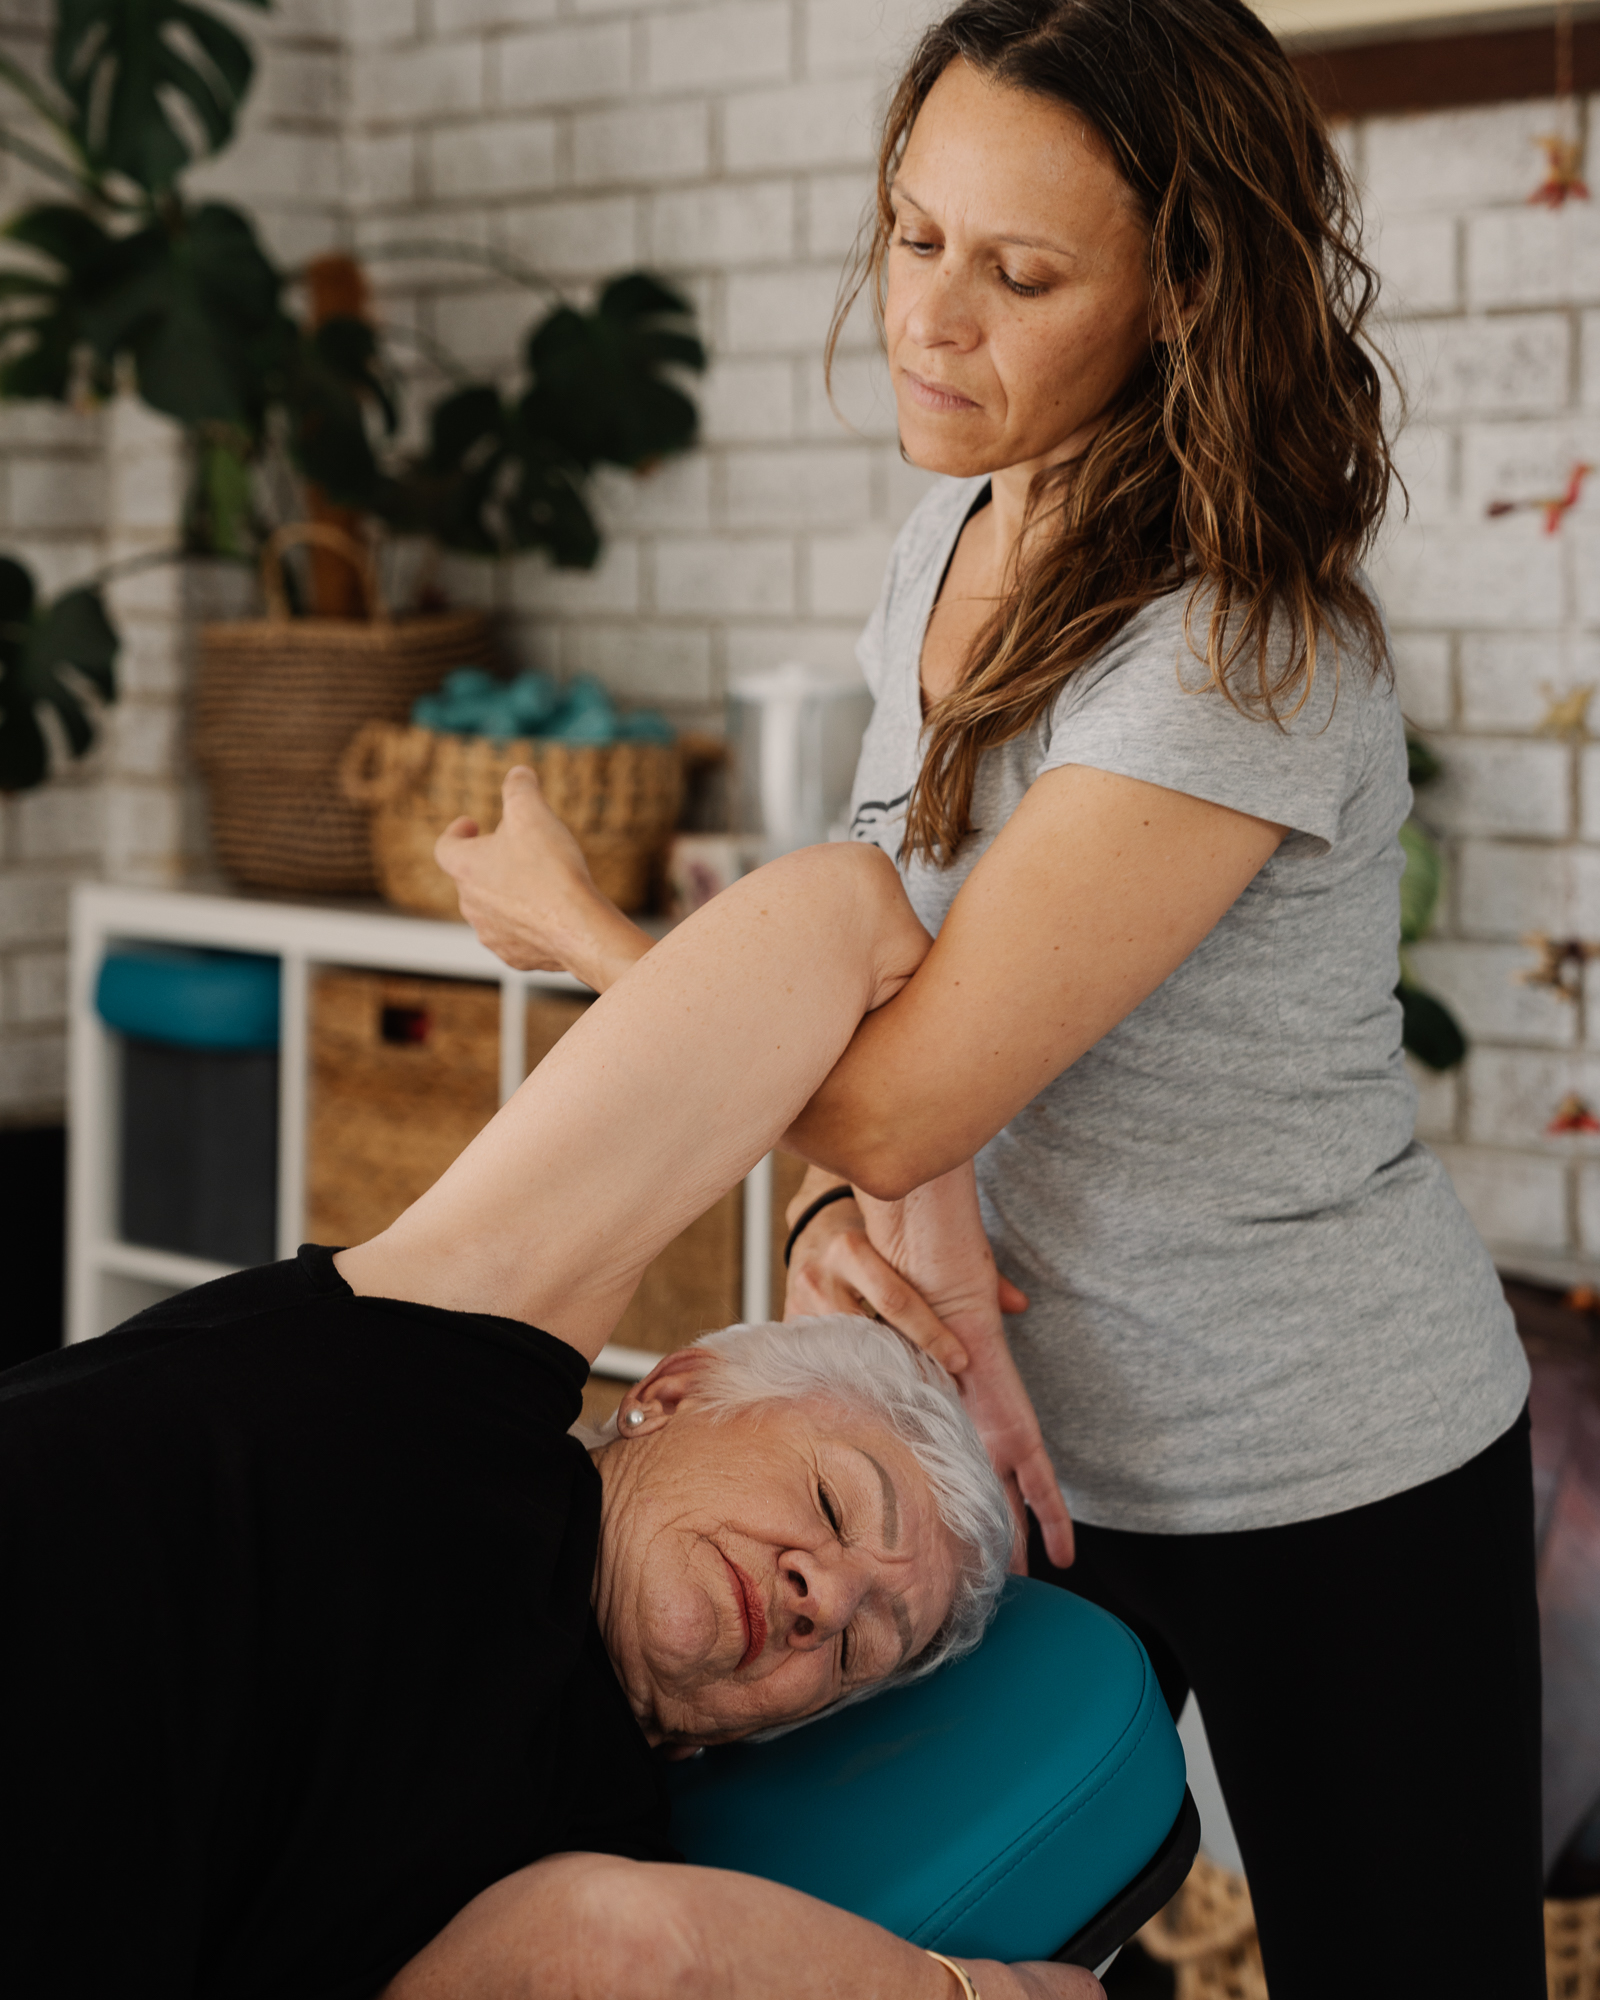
932 586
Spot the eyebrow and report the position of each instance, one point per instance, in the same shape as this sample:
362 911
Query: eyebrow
1021 242
902 1624
891 1500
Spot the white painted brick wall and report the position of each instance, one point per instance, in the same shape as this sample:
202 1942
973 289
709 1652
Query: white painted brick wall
1493 316
729 143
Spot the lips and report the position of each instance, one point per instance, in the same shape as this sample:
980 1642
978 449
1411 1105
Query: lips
933 396
751 1613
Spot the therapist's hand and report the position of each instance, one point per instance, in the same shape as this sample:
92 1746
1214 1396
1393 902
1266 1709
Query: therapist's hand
923 1264
527 891
835 1268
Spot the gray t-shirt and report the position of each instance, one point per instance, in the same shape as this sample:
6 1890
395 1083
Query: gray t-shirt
1255 1298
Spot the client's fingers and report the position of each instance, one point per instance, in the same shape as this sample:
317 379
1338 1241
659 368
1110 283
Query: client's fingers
520 778
447 849
1011 1299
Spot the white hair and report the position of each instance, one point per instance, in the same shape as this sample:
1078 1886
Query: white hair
866 1370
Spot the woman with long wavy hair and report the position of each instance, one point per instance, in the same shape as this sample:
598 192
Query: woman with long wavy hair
1137 754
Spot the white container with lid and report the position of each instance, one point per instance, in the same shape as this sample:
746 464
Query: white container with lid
795 734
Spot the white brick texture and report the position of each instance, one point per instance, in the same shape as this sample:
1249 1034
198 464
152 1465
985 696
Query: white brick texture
1515 1201
729 143
711 46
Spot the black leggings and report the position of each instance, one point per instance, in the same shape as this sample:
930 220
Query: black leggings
1370 1688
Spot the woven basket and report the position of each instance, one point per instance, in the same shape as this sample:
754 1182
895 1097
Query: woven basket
1207 1934
278 699
405 1072
1572 1949
620 800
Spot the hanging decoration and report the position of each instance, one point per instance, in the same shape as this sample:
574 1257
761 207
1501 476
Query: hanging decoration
1560 967
1564 180
1574 1114
1563 151
1555 507
1567 714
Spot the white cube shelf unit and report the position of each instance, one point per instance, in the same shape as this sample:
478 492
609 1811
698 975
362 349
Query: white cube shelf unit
108 1279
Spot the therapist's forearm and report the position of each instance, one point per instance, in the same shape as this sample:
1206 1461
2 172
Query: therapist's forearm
884 1131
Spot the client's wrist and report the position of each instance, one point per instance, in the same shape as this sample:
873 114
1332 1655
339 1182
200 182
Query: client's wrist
808 1213
959 1974
593 939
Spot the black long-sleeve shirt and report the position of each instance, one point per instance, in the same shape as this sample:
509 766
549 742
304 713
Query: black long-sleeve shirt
298 1653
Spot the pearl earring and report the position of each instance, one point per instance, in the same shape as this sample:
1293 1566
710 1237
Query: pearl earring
634 1419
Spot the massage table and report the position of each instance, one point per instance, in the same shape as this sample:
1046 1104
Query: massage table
1027 1802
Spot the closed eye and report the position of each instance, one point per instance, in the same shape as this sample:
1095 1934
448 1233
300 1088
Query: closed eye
828 1509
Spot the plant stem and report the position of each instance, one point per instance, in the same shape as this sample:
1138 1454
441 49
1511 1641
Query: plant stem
131 566
430 350
470 253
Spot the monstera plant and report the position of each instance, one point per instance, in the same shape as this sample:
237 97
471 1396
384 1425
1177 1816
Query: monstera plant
49 655
126 281
1431 1032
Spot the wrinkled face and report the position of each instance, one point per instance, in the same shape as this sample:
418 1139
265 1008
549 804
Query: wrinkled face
1018 297
754 1569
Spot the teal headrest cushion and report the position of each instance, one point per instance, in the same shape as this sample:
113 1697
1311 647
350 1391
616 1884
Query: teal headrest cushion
990 1810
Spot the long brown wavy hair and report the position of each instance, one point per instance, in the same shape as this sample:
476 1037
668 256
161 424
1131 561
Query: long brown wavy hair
1246 457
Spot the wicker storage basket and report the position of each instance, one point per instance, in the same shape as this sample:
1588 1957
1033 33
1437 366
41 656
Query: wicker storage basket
1572 1949
1207 1934
276 702
405 1073
620 799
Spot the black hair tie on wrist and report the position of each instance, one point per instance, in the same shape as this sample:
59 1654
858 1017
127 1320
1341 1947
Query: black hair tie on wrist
809 1215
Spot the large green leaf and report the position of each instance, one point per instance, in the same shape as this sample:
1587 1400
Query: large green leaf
192 300
73 633
338 378
1430 1032
42 330
598 392
498 477
127 65
1422 766
1421 881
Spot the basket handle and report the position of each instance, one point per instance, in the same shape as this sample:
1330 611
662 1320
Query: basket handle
323 535
379 762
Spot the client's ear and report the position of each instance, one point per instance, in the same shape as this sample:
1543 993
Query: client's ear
651 1403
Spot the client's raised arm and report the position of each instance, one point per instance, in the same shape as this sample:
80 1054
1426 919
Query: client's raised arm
661 1098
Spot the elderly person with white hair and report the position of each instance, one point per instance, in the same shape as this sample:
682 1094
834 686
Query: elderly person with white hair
339 1665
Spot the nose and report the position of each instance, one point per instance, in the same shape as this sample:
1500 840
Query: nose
819 1590
941 314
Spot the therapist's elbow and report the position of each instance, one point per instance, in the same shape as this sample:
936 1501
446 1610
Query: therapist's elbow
891 1168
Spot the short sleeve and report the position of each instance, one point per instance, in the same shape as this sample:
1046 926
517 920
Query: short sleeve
1145 709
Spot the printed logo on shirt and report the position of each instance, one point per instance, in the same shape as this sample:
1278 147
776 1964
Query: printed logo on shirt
883 823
